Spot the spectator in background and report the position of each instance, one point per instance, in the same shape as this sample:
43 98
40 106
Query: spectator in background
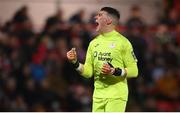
163 36
22 19
56 28
170 12
21 15
56 21
57 17
172 19
167 42
135 18
78 17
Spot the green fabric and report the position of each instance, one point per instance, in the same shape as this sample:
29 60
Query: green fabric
114 48
108 105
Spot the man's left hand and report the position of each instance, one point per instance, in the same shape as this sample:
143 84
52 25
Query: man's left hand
107 69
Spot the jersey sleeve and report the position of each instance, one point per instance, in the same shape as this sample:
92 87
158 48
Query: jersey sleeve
88 65
130 60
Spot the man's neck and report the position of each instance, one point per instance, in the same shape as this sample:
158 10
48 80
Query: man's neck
107 30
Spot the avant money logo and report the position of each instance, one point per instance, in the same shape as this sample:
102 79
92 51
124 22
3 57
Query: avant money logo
103 56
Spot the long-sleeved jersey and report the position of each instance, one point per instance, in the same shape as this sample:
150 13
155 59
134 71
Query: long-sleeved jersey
114 48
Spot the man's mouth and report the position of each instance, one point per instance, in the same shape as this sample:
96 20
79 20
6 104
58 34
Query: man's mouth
96 24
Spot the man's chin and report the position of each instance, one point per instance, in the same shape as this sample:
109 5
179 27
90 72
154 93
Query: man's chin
97 29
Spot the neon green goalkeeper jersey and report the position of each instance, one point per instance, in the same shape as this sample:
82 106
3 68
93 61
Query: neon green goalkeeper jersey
114 48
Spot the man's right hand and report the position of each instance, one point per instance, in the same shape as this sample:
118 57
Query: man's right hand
72 56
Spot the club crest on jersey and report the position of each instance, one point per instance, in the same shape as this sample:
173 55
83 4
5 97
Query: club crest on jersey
112 45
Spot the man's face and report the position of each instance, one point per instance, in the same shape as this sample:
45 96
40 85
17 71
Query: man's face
102 20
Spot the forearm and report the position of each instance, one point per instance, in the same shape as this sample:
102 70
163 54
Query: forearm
84 70
131 71
87 71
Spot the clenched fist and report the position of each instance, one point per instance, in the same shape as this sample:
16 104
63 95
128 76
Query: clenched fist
107 69
72 56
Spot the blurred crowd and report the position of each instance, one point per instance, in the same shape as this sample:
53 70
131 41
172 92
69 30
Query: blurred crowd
36 76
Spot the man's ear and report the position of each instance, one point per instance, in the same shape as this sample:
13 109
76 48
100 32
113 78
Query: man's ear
109 21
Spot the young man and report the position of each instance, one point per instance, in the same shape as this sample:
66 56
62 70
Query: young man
111 60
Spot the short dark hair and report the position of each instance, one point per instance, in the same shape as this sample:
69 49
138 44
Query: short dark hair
111 11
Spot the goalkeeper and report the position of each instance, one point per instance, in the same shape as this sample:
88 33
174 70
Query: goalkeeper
110 60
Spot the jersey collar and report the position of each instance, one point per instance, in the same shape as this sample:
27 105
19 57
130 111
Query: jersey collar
109 34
